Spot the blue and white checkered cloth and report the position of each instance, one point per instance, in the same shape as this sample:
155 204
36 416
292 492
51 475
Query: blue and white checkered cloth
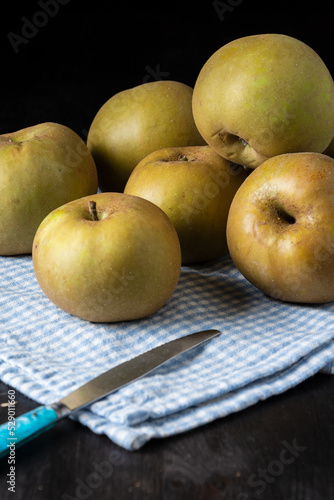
265 348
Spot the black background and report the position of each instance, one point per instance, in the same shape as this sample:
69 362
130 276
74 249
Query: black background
61 62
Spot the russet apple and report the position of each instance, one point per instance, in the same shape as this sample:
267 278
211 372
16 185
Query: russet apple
107 257
280 228
137 121
263 95
194 186
41 167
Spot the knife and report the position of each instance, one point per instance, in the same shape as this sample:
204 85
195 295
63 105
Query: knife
17 431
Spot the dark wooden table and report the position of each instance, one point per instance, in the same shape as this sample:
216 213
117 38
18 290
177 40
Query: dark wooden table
279 449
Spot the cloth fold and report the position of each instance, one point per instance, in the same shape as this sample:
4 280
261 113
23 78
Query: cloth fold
265 348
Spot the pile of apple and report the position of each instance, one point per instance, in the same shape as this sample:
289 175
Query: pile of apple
243 163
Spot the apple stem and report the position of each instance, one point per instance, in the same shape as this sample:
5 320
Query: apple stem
182 157
92 210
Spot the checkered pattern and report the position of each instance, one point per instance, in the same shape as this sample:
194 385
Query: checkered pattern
265 348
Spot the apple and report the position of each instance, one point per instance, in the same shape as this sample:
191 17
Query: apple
280 228
41 167
194 186
107 257
329 151
264 95
137 121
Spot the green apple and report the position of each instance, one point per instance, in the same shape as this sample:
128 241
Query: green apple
107 257
137 121
194 186
280 228
41 167
263 95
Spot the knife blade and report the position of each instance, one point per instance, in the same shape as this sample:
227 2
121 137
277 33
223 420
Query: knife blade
27 426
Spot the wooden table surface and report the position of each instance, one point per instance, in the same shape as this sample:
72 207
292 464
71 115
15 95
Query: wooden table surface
279 449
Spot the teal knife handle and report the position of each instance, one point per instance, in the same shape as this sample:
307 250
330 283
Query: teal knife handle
24 427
